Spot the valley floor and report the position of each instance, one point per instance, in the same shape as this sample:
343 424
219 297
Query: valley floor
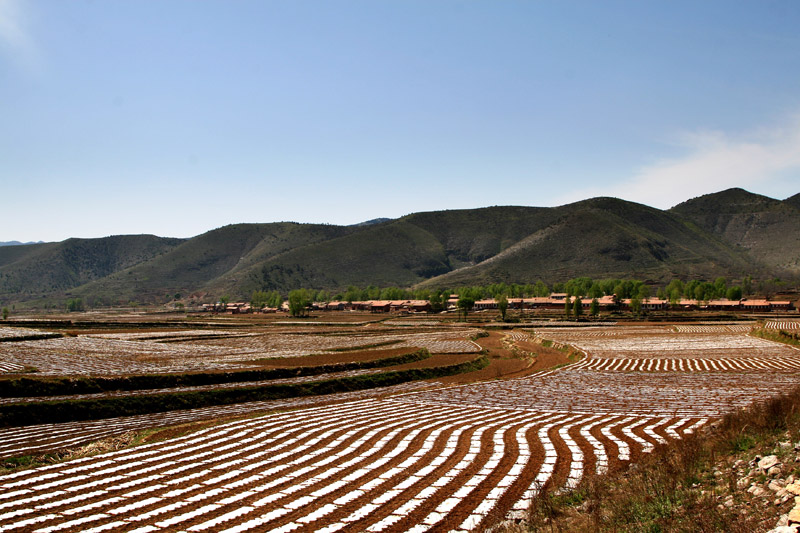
556 406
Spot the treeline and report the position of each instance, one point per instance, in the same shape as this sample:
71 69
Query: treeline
586 287
705 290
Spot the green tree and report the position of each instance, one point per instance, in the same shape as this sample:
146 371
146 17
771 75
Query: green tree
465 304
436 301
608 286
502 305
720 287
323 296
299 300
577 307
644 292
594 307
691 289
541 290
747 286
74 305
5 313
636 306
734 293
567 306
595 291
259 299
392 293
352 294
371 293
275 300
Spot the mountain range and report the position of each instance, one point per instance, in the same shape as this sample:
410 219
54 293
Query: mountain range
732 233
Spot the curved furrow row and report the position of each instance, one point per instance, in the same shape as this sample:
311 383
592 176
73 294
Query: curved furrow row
368 466
199 458
8 366
297 489
506 462
43 438
368 476
719 328
689 365
435 454
783 324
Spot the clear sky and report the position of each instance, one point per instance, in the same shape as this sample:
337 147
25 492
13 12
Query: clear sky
176 117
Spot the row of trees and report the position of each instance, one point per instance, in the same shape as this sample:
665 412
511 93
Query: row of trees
576 289
261 299
705 290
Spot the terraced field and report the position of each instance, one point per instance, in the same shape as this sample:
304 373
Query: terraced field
425 457
783 324
148 353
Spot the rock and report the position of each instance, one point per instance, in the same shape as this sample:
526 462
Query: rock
790 480
775 471
768 462
742 483
794 516
728 501
783 520
775 486
758 491
783 529
793 488
797 446
785 444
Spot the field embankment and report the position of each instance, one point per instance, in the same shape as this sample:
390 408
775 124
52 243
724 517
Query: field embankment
70 410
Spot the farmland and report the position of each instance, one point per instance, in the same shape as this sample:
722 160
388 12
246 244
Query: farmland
452 453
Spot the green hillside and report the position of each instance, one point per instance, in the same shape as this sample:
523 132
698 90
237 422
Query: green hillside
473 235
606 237
42 270
731 233
394 253
766 228
211 259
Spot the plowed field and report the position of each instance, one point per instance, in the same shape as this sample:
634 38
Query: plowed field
442 458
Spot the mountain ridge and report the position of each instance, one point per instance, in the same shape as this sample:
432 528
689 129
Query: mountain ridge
731 233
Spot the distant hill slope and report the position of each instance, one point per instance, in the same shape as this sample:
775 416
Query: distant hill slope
731 233
17 243
606 237
42 270
768 229
794 201
211 259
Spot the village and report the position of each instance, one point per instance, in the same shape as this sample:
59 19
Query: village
554 302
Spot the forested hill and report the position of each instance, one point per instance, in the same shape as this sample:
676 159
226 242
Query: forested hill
732 233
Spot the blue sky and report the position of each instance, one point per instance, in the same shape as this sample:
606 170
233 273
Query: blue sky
176 117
